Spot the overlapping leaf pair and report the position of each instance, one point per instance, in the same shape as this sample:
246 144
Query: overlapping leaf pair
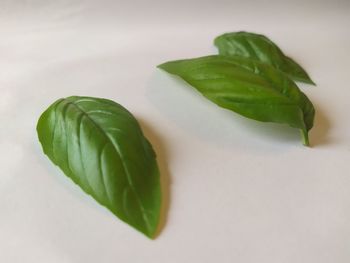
250 76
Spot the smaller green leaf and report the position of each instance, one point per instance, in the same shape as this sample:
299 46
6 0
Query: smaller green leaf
246 86
261 48
100 146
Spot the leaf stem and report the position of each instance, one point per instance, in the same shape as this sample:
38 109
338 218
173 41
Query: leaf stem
305 137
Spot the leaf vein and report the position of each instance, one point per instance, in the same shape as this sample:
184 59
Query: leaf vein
117 149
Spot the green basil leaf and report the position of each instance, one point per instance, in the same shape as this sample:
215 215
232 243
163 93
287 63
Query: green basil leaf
100 146
261 48
246 86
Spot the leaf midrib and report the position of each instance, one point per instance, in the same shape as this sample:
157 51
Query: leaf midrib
270 87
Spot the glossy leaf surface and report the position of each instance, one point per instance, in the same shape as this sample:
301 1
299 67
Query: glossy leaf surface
246 86
261 48
100 146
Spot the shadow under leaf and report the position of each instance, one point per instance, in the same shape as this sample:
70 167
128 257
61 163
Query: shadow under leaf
162 157
319 133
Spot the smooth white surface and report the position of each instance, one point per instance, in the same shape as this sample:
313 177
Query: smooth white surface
240 191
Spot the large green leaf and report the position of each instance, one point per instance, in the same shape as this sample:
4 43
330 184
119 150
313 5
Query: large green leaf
100 146
251 88
261 48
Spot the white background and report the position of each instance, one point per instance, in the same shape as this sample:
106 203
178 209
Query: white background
235 190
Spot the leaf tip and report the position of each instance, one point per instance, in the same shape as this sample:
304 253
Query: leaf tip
311 82
169 66
150 233
306 80
160 66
